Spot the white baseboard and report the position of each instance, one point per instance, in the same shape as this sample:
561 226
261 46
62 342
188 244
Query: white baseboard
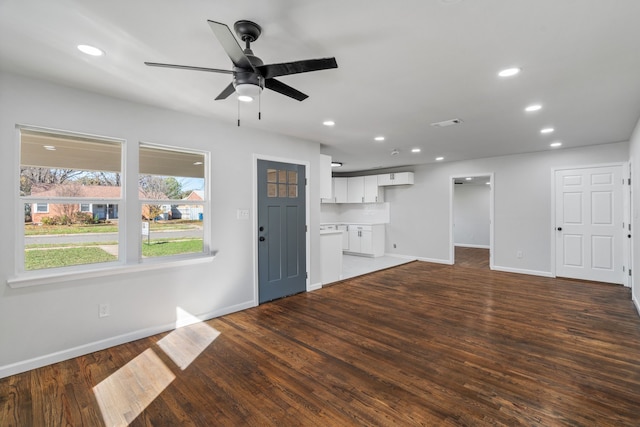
59 356
465 245
523 271
637 305
314 287
415 258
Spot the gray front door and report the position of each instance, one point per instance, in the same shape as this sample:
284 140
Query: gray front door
281 230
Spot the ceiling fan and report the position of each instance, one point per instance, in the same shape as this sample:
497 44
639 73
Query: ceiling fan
250 74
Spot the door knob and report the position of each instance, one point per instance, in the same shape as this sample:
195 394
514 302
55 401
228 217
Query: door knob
559 229
262 239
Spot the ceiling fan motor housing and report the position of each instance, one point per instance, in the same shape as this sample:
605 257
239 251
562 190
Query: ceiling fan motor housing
245 76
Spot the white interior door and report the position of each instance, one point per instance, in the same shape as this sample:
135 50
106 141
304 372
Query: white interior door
589 220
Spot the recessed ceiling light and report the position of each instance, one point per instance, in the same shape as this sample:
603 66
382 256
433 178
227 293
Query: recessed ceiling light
90 50
438 159
329 123
395 152
415 150
555 144
508 72
488 183
533 107
49 147
336 164
547 130
198 163
379 138
468 178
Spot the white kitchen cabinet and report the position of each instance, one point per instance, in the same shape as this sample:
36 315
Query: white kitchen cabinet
367 240
364 189
355 189
397 178
372 193
340 190
345 236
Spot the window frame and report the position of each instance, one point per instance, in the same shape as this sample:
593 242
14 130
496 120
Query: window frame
127 262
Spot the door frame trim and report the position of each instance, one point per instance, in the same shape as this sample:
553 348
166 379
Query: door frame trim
552 252
452 187
254 233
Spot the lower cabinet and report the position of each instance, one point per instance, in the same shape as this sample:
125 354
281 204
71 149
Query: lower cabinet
367 240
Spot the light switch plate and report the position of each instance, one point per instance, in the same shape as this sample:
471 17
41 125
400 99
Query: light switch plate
243 213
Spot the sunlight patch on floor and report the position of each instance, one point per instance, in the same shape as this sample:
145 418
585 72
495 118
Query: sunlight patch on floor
128 391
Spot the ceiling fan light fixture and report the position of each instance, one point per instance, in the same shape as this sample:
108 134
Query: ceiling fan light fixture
248 92
336 164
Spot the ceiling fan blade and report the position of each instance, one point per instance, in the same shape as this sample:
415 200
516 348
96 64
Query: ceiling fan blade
230 45
284 89
274 70
226 92
188 67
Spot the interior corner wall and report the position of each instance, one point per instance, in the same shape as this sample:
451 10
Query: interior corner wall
634 156
43 324
420 213
471 215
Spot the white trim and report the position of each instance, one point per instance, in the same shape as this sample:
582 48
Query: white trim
307 208
59 356
434 260
465 245
314 287
37 279
523 271
637 305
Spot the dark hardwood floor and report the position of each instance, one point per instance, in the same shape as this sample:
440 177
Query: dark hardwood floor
418 344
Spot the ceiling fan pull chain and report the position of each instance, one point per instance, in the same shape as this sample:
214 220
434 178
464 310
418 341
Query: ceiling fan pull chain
260 105
238 113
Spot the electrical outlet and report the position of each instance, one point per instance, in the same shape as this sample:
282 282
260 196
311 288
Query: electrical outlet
394 246
519 254
104 310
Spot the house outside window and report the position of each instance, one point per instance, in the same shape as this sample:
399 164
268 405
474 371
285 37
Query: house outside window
85 207
42 207
173 217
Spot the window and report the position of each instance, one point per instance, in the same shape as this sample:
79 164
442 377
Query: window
173 202
73 200
61 177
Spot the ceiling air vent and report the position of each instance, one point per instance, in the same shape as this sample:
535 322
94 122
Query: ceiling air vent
447 123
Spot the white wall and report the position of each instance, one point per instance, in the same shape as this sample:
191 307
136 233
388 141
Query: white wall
42 324
634 155
471 215
420 220
355 213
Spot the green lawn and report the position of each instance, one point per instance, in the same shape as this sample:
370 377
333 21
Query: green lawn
163 248
38 257
51 258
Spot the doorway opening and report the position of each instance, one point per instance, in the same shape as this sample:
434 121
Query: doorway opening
471 208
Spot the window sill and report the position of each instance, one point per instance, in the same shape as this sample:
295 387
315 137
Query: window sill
37 279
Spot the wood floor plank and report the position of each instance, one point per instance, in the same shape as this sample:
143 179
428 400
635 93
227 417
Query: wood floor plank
418 344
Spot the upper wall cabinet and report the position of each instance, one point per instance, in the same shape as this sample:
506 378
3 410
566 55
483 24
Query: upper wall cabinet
364 189
398 178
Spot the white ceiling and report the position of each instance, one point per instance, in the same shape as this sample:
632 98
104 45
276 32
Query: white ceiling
402 65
